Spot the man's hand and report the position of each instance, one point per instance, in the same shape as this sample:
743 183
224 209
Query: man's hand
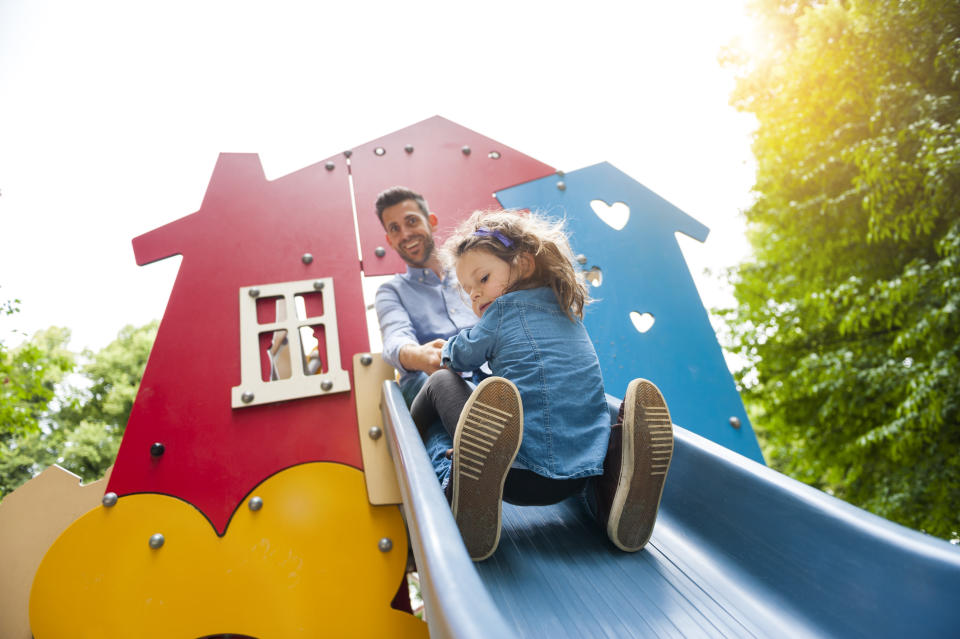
425 357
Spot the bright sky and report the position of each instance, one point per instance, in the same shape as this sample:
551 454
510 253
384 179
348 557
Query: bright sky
112 113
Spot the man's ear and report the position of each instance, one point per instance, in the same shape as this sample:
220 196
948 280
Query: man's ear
433 221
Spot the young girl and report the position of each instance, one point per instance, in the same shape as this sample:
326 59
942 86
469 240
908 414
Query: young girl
537 431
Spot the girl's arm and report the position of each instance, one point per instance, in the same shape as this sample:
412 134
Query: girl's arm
471 347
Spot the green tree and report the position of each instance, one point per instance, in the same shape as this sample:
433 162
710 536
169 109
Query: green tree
93 419
76 422
847 312
29 378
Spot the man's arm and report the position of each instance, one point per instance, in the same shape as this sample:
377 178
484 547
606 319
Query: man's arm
401 349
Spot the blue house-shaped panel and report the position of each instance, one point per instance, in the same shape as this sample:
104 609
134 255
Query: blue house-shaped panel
644 277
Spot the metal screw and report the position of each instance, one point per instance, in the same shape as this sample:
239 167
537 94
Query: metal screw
561 185
157 449
317 285
247 397
110 499
255 503
408 148
330 166
379 251
385 544
307 258
156 541
735 422
379 150
494 155
375 432
347 154
254 292
326 384
560 174
582 259
465 150
366 359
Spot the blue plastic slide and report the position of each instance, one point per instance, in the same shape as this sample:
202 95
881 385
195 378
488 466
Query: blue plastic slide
739 550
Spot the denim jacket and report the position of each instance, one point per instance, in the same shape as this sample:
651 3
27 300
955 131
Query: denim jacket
527 338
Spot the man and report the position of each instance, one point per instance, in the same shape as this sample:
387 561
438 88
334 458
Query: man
420 309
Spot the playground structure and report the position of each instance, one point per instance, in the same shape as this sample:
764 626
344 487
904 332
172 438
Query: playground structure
267 497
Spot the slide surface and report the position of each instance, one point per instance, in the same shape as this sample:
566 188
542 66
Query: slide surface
739 550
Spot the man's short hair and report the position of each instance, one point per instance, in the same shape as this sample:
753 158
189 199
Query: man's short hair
396 195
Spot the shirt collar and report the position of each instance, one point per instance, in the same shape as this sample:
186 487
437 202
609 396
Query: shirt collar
424 275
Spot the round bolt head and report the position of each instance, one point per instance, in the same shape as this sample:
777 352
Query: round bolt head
735 421
306 258
582 259
326 384
254 292
366 359
380 251
465 150
110 499
246 397
494 155
408 148
561 185
330 166
379 151
347 154
157 449
375 432
156 541
255 503
385 544
317 285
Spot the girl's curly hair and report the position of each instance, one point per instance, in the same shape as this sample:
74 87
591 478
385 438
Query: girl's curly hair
544 239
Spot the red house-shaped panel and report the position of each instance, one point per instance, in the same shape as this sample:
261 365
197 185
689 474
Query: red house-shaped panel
249 231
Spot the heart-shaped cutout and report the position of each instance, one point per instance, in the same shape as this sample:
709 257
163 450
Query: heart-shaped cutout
643 322
615 215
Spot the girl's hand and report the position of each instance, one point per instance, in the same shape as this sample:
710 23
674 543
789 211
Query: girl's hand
425 357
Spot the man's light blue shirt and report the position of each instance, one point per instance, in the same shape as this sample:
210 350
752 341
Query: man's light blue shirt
416 307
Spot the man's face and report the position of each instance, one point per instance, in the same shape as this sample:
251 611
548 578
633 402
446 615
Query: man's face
409 232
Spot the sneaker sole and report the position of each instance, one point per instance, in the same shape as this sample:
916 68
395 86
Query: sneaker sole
647 448
486 442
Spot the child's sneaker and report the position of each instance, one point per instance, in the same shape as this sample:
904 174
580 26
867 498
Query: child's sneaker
486 442
641 445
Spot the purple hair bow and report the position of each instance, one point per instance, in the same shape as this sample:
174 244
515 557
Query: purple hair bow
485 232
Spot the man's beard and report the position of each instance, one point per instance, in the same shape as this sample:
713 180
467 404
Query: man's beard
428 248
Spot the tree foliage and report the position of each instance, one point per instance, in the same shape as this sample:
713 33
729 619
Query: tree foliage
52 411
848 311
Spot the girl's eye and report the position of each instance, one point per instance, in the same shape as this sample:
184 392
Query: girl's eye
483 280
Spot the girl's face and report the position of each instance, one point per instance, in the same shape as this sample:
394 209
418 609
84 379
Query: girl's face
484 277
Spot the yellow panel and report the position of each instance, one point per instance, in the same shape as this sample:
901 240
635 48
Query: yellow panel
31 518
378 467
307 564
